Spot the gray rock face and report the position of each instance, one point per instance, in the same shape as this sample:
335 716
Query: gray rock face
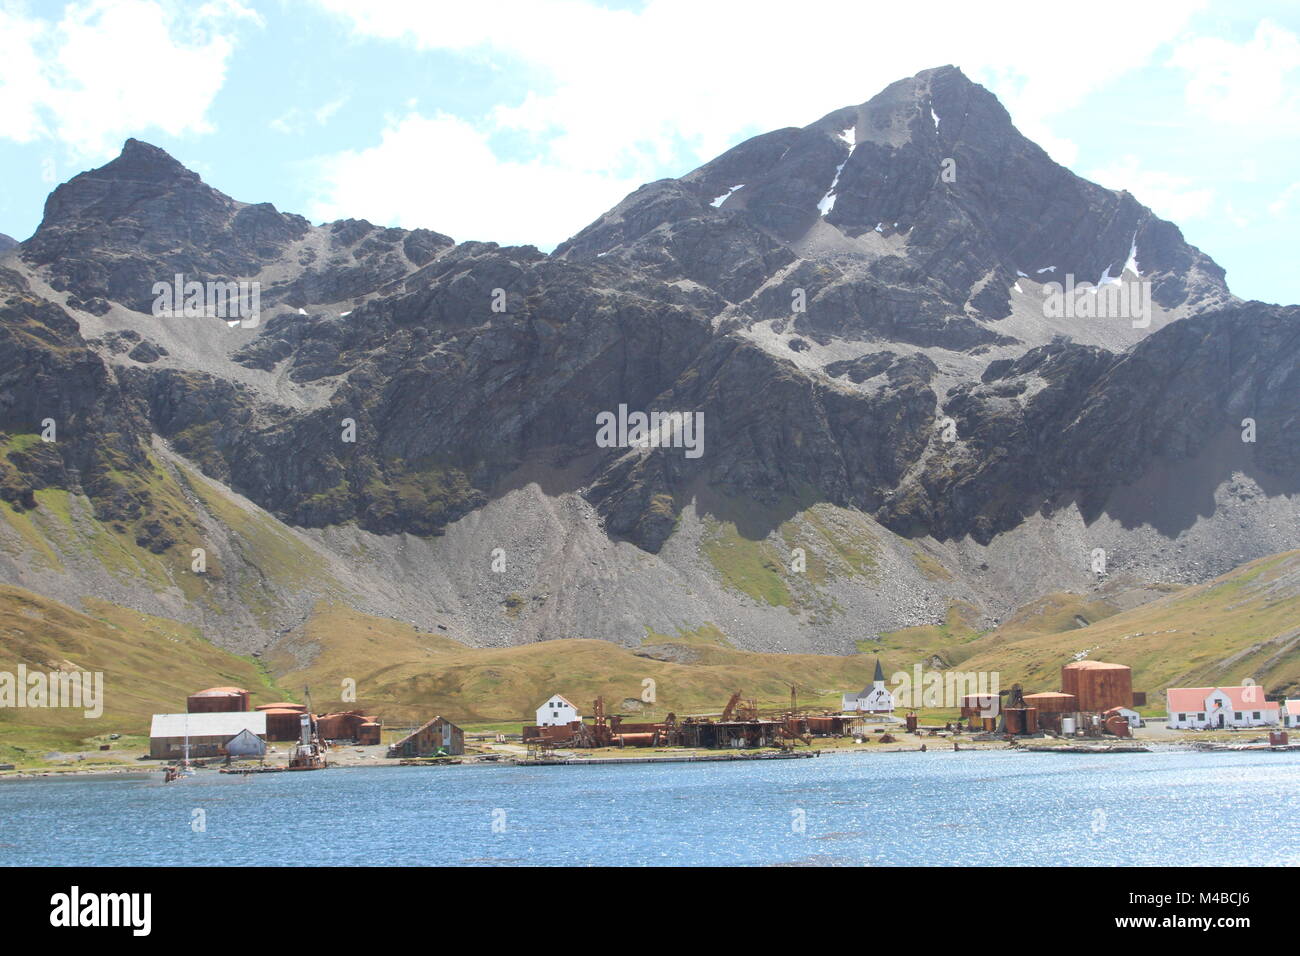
400 382
906 219
1072 425
6 243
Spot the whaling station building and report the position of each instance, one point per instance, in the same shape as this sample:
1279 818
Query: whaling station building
209 734
1213 708
439 736
219 714
1094 695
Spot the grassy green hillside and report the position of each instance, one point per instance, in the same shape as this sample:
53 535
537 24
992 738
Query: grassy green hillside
1244 624
406 675
149 665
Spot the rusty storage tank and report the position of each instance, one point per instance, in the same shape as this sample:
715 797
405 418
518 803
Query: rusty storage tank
217 700
911 722
283 705
635 740
1053 702
821 725
368 733
1097 685
283 724
1015 720
1031 720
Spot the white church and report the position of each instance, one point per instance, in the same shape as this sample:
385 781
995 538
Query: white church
873 699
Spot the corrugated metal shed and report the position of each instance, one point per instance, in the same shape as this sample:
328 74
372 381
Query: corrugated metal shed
246 744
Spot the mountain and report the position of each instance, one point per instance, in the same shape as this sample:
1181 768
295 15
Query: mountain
898 416
6 243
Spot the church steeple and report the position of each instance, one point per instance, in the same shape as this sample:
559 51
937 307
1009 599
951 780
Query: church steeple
879 679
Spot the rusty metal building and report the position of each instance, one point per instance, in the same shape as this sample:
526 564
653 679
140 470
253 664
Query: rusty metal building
282 724
1098 686
439 734
347 725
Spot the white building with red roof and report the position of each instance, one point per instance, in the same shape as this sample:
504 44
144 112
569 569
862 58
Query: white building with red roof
1290 713
1212 708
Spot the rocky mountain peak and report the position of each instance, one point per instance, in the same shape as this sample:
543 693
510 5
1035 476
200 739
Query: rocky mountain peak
912 217
110 233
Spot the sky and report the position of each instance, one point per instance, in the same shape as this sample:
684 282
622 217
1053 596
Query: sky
520 121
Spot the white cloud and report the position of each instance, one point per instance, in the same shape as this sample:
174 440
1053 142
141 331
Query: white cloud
109 69
295 120
1170 196
1244 84
439 172
1285 199
676 82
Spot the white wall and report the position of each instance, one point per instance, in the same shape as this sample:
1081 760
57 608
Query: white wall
556 713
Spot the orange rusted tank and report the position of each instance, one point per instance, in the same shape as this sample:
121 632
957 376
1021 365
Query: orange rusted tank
1097 685
283 724
635 740
283 705
217 700
1052 702
1015 717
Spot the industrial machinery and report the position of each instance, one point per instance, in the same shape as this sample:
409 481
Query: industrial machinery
307 753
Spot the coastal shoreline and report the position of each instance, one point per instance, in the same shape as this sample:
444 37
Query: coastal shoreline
575 759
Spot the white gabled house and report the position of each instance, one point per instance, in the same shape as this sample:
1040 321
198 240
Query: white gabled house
1212 708
873 699
1290 713
558 711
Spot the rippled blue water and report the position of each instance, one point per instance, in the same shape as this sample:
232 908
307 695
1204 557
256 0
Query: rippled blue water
873 809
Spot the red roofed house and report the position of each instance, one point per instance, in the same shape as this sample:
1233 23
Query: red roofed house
1291 713
1210 708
